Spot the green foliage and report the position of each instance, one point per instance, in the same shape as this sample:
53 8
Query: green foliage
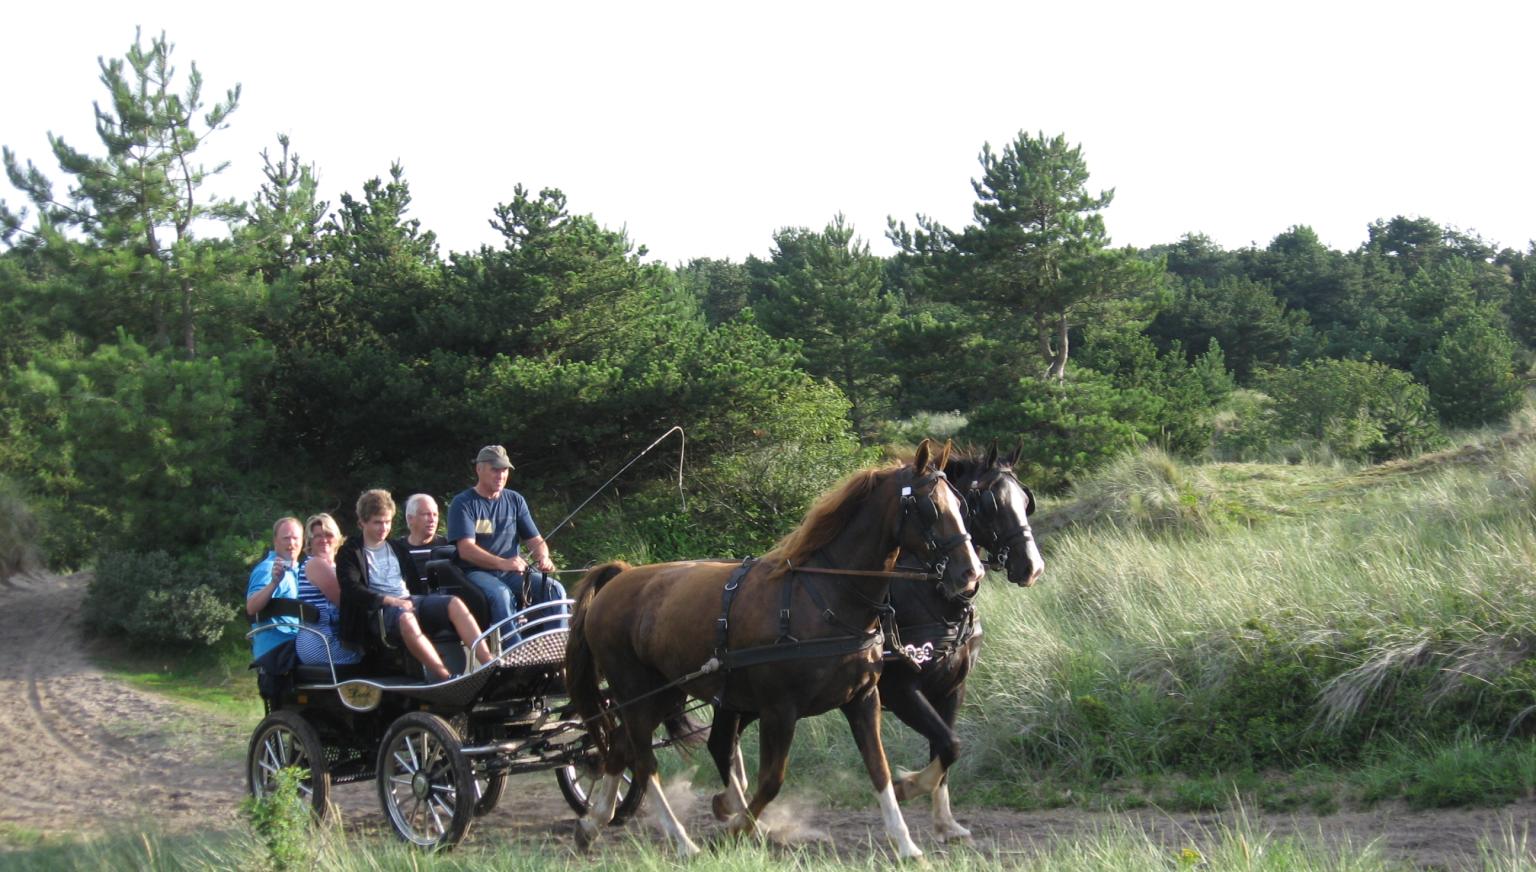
281 821
1359 409
125 446
1037 261
1178 413
1239 314
1470 375
149 598
139 204
826 291
1066 428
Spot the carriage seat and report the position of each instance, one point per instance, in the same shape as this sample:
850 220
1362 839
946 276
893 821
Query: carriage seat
308 614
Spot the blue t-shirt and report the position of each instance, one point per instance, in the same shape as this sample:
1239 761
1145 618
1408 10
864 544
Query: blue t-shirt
498 526
287 588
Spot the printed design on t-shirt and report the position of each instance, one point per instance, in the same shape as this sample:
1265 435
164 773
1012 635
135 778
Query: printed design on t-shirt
485 526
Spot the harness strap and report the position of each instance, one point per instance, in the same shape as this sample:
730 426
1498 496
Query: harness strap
837 646
728 596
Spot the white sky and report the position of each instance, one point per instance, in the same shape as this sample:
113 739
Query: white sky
704 127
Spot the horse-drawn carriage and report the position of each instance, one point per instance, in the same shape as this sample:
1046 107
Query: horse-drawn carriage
441 752
794 646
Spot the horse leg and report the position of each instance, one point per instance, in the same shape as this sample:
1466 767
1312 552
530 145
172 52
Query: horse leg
604 799
725 750
671 827
944 823
650 714
776 733
863 716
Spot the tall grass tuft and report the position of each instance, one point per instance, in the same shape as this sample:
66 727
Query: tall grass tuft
18 533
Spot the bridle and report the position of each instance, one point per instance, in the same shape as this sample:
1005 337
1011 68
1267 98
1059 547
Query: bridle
925 512
982 512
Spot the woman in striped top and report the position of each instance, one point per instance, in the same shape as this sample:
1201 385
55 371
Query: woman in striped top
317 586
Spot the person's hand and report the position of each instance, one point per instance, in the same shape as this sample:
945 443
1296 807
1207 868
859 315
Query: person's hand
517 564
545 564
279 566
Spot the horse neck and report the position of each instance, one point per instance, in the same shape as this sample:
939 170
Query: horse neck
918 602
864 544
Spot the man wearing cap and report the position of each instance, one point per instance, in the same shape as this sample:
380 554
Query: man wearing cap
490 523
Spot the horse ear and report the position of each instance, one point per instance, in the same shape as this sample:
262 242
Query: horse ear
949 445
921 461
1018 449
991 456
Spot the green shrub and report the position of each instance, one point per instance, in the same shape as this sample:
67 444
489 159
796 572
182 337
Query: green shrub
148 597
1359 409
1470 375
281 821
1067 428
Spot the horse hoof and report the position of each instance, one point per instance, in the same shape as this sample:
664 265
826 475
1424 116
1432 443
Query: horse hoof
584 838
717 806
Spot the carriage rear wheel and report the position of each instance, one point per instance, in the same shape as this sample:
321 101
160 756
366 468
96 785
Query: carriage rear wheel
578 781
425 782
284 739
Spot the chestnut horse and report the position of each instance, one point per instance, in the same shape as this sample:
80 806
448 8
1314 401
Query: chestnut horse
798 635
942 638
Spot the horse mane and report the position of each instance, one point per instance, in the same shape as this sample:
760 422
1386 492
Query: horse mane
962 468
826 518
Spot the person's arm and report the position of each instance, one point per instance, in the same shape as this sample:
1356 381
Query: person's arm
265 579
538 550
350 581
323 576
474 555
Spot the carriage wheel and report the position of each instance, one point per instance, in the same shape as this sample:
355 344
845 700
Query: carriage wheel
489 789
577 781
425 783
281 740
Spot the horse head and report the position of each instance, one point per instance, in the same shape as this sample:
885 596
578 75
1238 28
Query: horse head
933 524
998 507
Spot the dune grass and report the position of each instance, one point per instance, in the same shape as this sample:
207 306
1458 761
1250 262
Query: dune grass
1233 844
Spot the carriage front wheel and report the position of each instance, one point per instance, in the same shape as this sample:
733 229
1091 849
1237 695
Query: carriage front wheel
578 780
425 782
282 740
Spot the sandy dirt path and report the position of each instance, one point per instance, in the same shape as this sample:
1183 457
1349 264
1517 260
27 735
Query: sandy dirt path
84 753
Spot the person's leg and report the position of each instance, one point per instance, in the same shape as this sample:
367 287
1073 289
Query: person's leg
497 593
468 629
543 589
421 648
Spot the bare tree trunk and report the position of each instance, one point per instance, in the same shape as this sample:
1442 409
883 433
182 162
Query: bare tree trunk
1058 368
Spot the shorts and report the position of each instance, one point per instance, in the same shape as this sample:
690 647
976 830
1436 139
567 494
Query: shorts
431 616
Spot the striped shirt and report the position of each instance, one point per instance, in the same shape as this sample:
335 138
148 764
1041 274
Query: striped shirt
312 648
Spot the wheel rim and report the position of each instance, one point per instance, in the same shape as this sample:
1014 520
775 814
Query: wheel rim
421 795
280 749
584 780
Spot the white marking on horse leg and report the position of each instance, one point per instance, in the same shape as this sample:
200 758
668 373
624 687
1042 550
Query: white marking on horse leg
896 826
604 801
736 791
671 827
944 823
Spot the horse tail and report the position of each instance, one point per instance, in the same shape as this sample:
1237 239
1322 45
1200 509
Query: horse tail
581 678
686 731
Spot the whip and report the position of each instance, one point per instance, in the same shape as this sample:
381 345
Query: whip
681 450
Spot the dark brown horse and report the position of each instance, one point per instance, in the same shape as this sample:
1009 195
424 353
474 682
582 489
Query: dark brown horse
651 632
942 638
